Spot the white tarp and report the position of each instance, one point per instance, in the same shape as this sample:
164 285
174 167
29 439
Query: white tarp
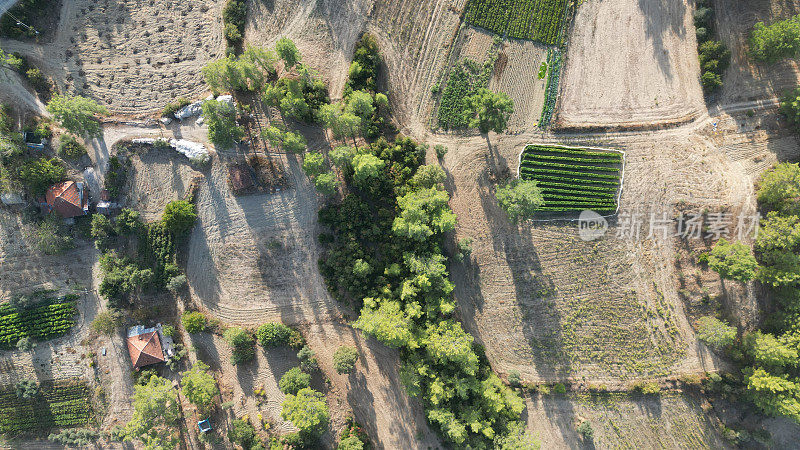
193 150
226 99
190 110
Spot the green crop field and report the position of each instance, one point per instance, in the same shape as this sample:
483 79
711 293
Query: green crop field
573 179
59 405
539 20
43 321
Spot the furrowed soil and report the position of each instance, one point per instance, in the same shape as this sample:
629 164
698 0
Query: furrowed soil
630 63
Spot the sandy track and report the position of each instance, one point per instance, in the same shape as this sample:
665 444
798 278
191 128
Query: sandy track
644 75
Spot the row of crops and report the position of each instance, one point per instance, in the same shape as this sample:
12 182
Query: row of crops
45 320
160 252
64 404
539 20
551 90
573 179
465 79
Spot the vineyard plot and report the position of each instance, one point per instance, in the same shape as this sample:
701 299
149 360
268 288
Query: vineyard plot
61 405
538 20
46 320
573 179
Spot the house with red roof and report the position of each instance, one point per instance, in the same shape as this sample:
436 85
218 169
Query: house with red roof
148 346
68 199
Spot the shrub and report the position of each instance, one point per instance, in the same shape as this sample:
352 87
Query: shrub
81 437
273 334
171 108
26 344
199 386
308 362
70 147
26 389
344 359
50 237
733 261
194 321
287 51
710 81
703 17
177 283
514 378
243 433
293 380
559 388
39 174
779 188
777 41
106 322
585 430
646 387
179 216
351 442
242 342
441 150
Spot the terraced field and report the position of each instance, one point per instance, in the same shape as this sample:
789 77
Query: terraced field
574 179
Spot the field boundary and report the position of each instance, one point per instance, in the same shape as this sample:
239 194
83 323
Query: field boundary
571 147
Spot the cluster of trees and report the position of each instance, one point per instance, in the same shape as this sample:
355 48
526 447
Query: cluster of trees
771 43
234 16
769 357
714 55
384 254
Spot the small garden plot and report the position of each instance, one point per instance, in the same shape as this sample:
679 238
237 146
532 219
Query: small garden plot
574 179
46 320
63 404
539 20
465 79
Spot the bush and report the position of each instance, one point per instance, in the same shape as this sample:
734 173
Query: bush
171 108
441 150
308 362
242 342
703 17
585 430
243 433
70 147
293 380
106 322
194 321
733 261
710 81
26 344
344 359
179 216
199 386
777 41
50 237
559 388
646 388
177 283
273 335
702 34
26 389
39 174
81 437
514 378
351 442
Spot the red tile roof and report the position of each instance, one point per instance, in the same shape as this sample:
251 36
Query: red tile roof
65 199
145 349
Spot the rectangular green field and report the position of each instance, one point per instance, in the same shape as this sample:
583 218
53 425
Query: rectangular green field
538 20
573 179
63 404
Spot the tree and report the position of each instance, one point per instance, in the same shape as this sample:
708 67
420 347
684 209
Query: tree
342 156
423 213
293 380
733 261
221 119
777 41
386 321
491 110
77 114
776 395
106 322
790 107
70 147
308 411
428 176
179 217
360 103
344 359
366 167
313 164
351 442
81 437
39 174
194 321
448 344
294 142
768 351
516 439
242 343
243 433
273 334
716 333
155 413
780 188
308 361
777 248
520 199
101 229
326 183
288 52
199 386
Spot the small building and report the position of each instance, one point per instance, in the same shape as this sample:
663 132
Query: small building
69 199
32 141
148 346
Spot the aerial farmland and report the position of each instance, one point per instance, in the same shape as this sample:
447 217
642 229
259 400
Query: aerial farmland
396 224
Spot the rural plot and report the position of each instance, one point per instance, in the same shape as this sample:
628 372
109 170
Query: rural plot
574 179
539 20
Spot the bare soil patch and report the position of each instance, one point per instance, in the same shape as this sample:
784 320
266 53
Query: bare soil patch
630 62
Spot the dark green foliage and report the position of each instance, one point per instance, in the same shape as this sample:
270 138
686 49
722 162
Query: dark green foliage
27 12
790 107
243 433
81 437
585 429
554 60
179 217
115 176
39 174
308 362
274 334
70 147
293 380
171 108
157 248
243 344
27 389
51 237
772 43
539 20
363 74
223 130
122 277
128 222
703 18
234 16
465 79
